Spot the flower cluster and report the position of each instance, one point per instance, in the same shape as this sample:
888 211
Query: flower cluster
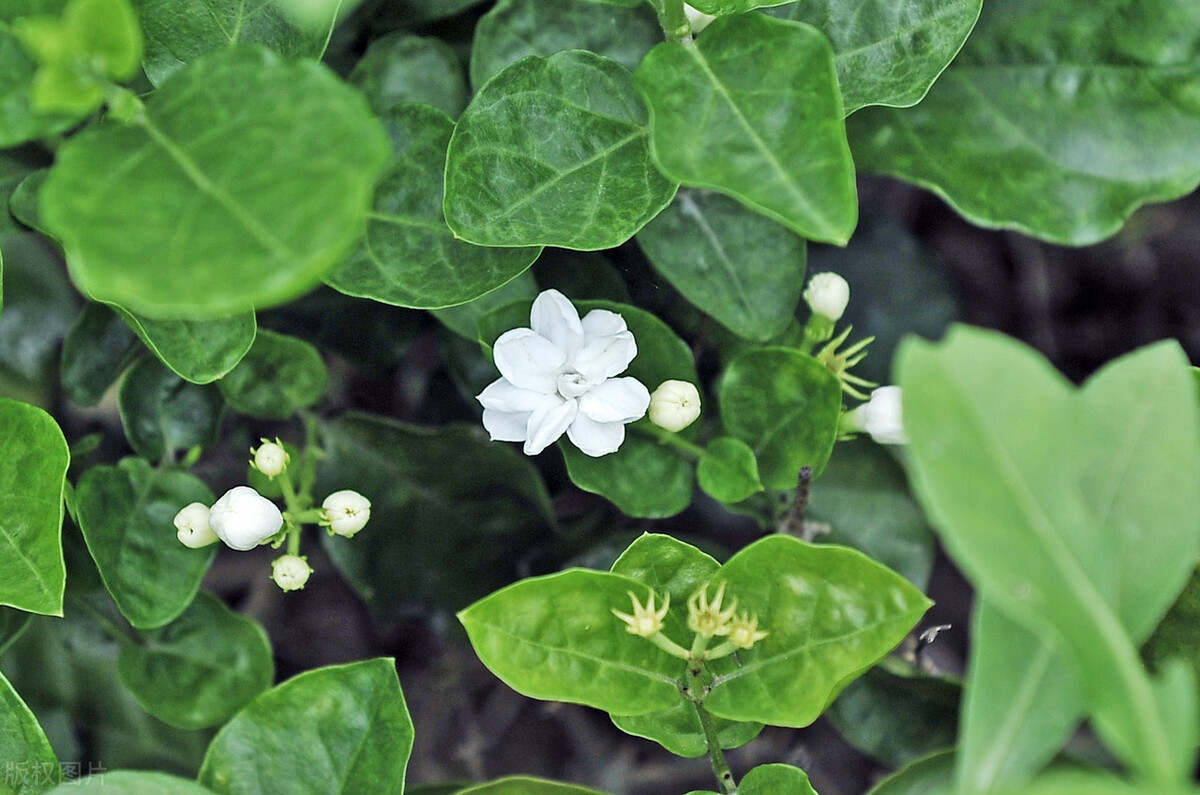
243 519
706 618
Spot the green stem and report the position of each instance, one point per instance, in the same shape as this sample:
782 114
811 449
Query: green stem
674 21
663 436
715 755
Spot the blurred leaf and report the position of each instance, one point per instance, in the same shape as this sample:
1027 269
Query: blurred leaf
164 415
199 351
413 12
12 623
400 68
553 151
97 350
929 775
464 318
523 785
581 275
18 121
775 779
728 471
338 729
132 782
39 307
33 767
278 376
1179 633
16 168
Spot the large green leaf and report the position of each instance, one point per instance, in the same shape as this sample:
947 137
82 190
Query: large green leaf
277 376
201 668
194 210
33 468
200 351
177 32
887 53
830 613
31 764
734 264
752 109
162 414
96 351
132 782
1055 121
514 29
1039 528
785 405
555 638
443 531
125 514
340 729
553 151
410 257
400 68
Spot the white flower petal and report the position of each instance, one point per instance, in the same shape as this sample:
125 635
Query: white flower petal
606 357
596 438
528 360
616 400
602 323
506 426
549 422
503 396
554 318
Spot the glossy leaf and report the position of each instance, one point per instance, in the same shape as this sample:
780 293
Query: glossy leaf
339 729
1057 125
752 109
410 257
929 775
441 533
164 415
18 121
728 471
178 33
278 376
132 782
742 268
785 405
24 745
33 468
201 668
199 351
831 613
193 210
513 29
775 779
523 785
553 151
399 68
555 638
96 351
125 513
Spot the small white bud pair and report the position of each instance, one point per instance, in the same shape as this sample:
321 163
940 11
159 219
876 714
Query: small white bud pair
242 518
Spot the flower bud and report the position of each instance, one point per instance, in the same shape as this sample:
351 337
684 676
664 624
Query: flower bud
243 518
880 416
346 512
270 459
827 295
290 572
674 405
192 524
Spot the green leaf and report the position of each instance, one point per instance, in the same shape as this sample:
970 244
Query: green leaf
887 53
176 36
523 785
17 170
728 471
33 468
785 405
410 257
125 513
201 668
441 533
929 775
199 351
1094 111
556 638
830 613
514 29
193 210
278 376
741 267
464 318
18 120
164 415
12 623
96 351
726 7
24 745
399 68
338 729
776 779
412 12
752 109
553 151
1179 632
39 307
107 35
132 782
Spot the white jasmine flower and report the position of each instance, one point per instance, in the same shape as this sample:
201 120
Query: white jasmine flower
193 528
880 416
698 19
674 405
243 518
558 377
290 572
346 512
827 295
270 459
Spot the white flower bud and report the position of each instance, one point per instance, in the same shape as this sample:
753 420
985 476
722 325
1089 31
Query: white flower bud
290 572
243 518
270 459
192 524
827 295
674 405
346 512
880 416
698 19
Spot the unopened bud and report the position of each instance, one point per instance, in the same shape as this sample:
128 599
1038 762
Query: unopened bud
270 459
674 405
290 572
827 295
193 528
346 512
